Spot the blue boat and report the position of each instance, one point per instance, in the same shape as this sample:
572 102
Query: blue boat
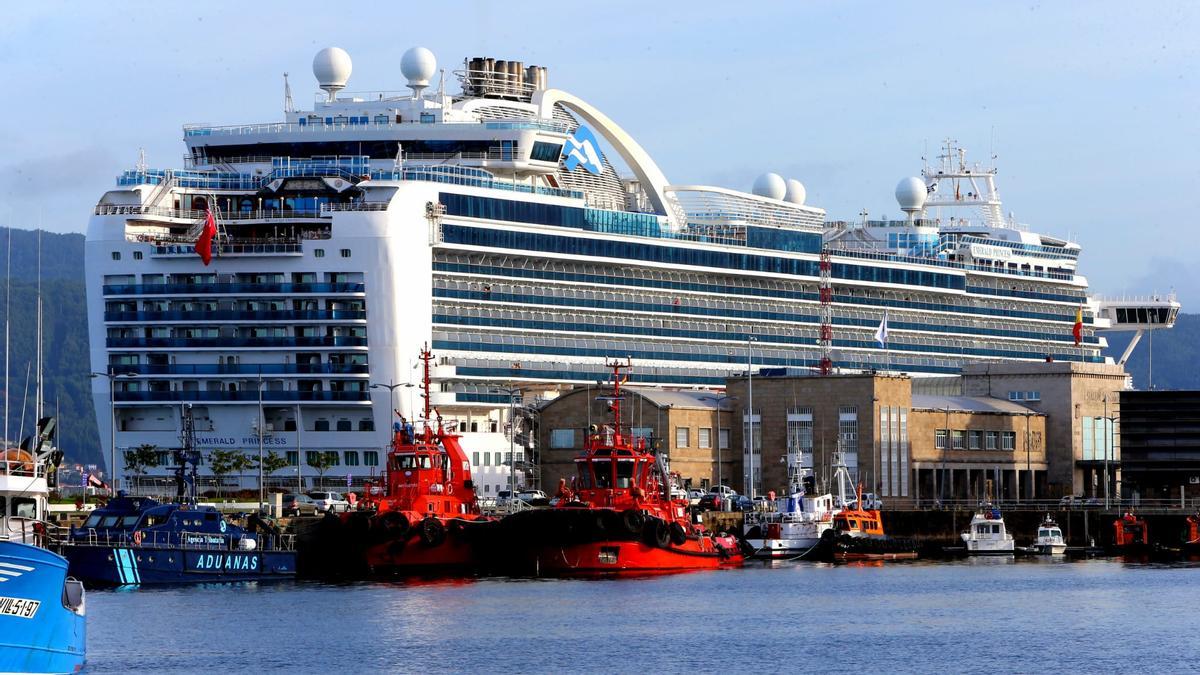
140 540
42 623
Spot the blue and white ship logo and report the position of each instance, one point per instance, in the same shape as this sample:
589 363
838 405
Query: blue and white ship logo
582 149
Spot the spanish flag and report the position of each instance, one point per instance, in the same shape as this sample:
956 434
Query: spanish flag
1077 331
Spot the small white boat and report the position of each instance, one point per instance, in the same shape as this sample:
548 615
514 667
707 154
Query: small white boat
1049 540
987 534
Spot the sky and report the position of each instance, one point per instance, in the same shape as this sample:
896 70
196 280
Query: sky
1092 110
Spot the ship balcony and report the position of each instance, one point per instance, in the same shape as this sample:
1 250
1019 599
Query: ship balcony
251 395
190 216
222 315
232 342
239 288
226 249
252 369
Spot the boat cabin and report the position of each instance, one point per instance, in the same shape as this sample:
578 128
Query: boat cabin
1129 530
617 472
856 522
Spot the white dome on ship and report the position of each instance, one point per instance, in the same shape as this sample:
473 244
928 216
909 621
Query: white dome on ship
770 185
795 192
418 65
911 194
331 67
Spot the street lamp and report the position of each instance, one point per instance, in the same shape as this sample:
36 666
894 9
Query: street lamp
719 399
391 387
261 430
512 436
112 420
750 340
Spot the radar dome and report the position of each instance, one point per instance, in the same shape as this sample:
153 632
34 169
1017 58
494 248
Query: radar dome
911 194
331 67
418 65
771 186
795 192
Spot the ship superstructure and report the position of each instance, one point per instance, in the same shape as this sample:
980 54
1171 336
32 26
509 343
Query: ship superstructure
493 224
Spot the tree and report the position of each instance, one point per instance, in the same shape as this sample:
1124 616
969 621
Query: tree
224 462
321 462
141 458
272 462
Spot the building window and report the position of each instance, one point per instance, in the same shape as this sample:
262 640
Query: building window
562 438
474 459
974 440
800 434
681 437
1033 396
312 457
1008 440
644 433
333 458
345 253
487 459
371 458
724 438
992 439
137 255
293 457
705 437
319 253
498 459
958 439
351 458
939 439
116 255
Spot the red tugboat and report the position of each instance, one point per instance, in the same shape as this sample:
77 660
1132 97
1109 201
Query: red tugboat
619 519
1130 534
422 519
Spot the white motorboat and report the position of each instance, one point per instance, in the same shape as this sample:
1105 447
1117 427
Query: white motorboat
794 527
987 534
1049 540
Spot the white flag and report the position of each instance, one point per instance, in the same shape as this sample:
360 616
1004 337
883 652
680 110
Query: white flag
881 333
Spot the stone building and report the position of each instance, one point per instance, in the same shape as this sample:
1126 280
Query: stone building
904 447
683 424
1080 401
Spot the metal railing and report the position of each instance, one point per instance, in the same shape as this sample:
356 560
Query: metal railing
182 539
192 215
26 468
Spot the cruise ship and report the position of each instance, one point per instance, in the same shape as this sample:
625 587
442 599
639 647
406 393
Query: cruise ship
526 238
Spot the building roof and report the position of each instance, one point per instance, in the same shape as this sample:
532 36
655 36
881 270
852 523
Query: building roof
978 404
704 399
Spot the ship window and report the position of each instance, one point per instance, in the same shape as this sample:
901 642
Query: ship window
210 516
116 255
603 471
625 473
109 521
345 253
129 521
319 253
371 457
92 520
545 152
137 255
351 458
23 508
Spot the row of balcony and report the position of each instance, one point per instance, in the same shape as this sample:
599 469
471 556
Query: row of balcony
228 342
243 395
244 369
229 288
238 315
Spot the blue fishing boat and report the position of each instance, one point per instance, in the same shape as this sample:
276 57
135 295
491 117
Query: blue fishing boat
42 623
135 540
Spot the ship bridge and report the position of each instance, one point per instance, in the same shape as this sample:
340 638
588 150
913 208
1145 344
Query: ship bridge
1139 314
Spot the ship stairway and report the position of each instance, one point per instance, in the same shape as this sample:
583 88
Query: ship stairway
168 182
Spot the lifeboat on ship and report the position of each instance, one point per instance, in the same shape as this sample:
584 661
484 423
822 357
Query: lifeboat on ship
422 519
619 518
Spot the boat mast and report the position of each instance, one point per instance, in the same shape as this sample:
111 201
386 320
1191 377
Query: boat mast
37 403
7 322
426 357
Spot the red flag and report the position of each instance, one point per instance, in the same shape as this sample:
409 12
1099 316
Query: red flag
1077 330
204 243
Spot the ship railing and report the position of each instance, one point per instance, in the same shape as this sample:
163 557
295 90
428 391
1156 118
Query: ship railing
25 468
317 127
355 206
892 257
194 215
182 539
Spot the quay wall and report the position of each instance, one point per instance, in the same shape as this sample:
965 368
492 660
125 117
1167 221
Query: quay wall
1081 527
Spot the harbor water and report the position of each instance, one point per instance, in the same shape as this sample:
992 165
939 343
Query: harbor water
981 615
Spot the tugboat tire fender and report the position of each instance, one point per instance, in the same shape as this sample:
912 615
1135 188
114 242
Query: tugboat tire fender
395 522
633 520
678 534
433 533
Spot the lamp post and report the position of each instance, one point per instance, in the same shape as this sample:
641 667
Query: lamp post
719 399
112 420
513 393
261 430
750 340
391 387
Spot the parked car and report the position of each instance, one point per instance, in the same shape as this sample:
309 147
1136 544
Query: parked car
329 502
678 493
503 499
1071 500
298 505
694 496
533 497
742 503
723 490
872 502
712 502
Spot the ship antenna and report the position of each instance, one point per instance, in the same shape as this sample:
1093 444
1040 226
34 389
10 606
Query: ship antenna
288 105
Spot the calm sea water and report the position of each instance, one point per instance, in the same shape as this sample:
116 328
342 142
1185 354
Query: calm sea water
962 617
